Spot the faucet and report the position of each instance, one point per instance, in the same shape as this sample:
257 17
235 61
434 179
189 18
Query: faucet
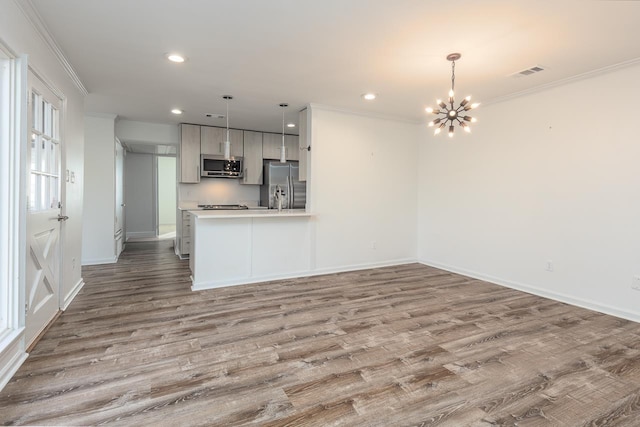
278 195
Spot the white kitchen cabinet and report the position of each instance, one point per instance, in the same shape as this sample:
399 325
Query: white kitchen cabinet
303 144
272 146
252 158
212 141
189 153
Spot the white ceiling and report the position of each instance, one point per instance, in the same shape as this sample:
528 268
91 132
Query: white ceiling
264 52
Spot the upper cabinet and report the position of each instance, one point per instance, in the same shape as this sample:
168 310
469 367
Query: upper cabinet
291 144
212 141
252 158
272 146
189 171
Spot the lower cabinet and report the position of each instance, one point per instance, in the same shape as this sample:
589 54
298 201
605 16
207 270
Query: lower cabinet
183 234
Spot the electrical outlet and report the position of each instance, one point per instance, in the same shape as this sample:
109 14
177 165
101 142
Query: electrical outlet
635 283
73 263
549 265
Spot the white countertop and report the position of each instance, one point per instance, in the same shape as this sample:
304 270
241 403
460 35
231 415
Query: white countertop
250 213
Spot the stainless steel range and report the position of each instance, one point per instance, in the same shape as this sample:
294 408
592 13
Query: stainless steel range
223 207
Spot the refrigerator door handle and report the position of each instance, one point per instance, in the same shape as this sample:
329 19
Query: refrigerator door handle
290 183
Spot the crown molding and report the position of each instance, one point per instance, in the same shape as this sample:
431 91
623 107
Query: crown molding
32 15
565 81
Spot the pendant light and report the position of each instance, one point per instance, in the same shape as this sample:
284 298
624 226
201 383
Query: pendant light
283 155
227 141
450 114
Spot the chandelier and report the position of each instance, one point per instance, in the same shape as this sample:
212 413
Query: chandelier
448 112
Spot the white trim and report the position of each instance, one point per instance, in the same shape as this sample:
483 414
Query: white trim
307 273
70 297
31 13
580 302
99 261
12 356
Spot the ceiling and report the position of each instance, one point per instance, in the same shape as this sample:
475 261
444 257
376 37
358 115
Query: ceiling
326 52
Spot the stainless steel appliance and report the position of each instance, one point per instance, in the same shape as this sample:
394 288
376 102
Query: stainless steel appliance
213 166
282 177
222 207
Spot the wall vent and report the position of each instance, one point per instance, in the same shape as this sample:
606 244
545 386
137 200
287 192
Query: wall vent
215 116
528 71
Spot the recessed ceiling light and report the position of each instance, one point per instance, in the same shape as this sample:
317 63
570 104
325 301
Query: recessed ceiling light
176 111
369 96
174 57
291 125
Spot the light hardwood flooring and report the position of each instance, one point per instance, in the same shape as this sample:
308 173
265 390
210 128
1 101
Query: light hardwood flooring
397 346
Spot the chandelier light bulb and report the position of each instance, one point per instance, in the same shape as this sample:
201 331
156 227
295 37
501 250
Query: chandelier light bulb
449 114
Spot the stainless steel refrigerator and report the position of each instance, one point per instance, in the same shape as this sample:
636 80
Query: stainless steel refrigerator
284 176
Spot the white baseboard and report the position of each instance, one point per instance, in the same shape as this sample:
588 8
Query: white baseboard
137 234
306 273
71 295
569 299
100 261
12 355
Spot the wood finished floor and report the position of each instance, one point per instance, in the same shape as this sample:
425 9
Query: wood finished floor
397 346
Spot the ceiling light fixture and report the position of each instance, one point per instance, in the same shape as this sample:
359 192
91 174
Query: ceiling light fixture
369 96
291 125
174 57
451 114
283 155
176 111
227 141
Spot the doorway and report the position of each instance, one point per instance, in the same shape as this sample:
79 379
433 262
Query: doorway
166 197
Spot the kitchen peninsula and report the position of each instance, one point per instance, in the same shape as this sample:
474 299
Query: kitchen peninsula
248 246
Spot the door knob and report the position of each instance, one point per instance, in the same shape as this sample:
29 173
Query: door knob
62 218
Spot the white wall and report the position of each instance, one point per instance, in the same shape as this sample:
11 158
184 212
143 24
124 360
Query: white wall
149 133
98 245
20 36
166 190
364 183
548 176
139 195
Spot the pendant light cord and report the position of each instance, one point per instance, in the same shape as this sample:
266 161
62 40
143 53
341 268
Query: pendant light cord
453 75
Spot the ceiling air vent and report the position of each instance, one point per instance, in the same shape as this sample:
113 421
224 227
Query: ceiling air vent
215 116
528 71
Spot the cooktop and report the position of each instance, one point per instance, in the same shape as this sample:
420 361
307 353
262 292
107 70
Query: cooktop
223 207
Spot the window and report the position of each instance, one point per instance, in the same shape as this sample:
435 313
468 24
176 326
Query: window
5 174
13 73
44 178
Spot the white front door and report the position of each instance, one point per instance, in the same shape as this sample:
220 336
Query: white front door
43 258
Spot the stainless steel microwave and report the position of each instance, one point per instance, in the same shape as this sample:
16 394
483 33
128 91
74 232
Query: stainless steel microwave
214 166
